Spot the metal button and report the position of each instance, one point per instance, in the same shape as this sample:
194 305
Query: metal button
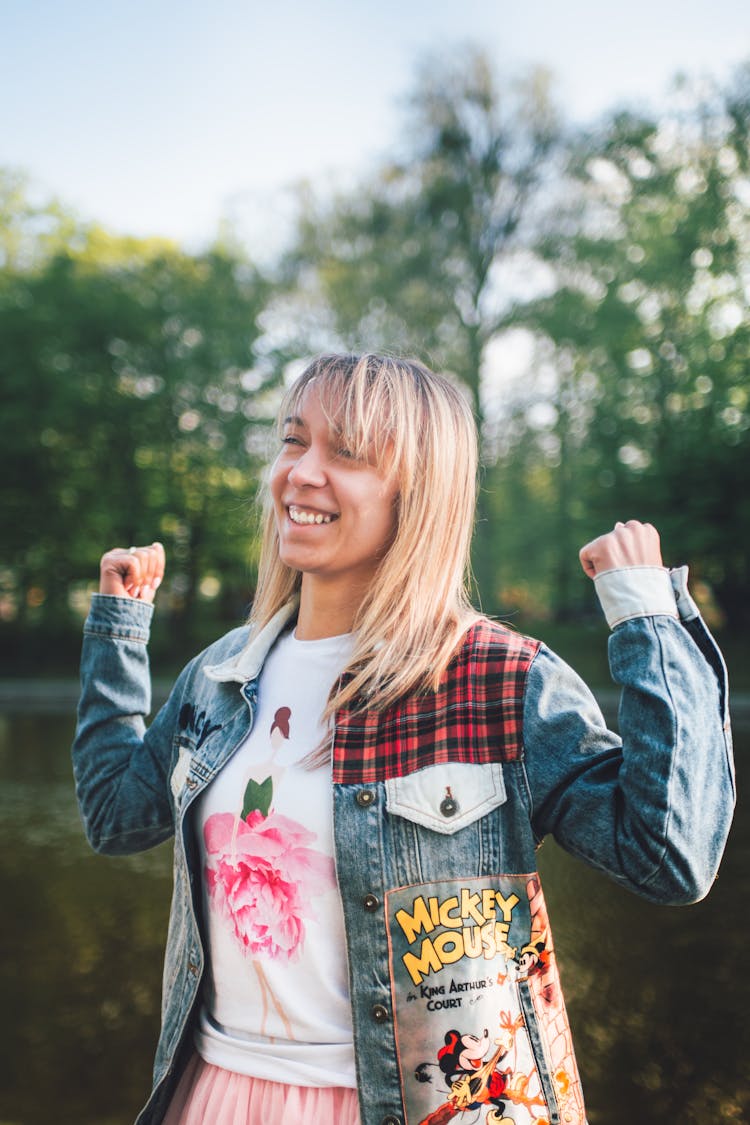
391 1121
449 806
380 1013
371 902
193 967
365 798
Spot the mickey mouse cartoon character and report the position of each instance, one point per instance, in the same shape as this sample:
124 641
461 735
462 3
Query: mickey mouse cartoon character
533 958
474 1081
534 961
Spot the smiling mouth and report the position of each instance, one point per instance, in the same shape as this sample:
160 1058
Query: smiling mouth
302 516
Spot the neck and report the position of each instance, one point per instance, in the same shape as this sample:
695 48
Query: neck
326 610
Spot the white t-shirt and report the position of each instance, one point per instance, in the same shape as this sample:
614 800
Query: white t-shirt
276 997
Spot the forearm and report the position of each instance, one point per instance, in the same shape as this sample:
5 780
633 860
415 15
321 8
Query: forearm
676 785
120 768
651 806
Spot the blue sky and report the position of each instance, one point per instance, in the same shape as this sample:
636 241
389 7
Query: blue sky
159 116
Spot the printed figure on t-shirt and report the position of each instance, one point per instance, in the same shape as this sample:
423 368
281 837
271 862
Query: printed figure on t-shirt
262 873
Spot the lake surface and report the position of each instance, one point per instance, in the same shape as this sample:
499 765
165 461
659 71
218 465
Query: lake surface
658 997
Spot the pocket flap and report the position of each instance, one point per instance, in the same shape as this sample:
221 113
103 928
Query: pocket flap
446 798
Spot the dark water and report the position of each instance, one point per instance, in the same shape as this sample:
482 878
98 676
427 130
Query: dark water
659 998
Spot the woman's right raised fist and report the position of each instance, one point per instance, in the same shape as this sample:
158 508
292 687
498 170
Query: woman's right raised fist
133 572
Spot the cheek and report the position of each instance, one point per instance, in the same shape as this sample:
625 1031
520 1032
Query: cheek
276 478
383 512
378 526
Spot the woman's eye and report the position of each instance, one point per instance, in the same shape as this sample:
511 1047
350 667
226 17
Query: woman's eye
290 439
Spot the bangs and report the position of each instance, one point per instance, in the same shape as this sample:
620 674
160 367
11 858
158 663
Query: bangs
365 400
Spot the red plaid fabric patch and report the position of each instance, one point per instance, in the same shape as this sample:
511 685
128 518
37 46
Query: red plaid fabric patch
476 714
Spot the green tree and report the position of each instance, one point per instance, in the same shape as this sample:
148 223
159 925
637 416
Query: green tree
30 230
134 408
414 259
648 329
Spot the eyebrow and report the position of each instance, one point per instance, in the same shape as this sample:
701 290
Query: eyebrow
296 420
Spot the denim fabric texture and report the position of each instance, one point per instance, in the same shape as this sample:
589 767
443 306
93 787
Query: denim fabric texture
651 809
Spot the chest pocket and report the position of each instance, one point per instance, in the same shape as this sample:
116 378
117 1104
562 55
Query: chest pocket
447 798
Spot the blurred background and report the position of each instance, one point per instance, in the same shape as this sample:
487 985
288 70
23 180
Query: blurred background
552 204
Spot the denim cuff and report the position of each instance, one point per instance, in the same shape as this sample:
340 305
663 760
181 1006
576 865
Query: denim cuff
122 618
635 591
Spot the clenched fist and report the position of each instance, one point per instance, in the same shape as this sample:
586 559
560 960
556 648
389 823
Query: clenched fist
630 544
135 572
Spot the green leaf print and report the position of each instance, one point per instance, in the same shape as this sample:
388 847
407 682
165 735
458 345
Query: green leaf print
257 796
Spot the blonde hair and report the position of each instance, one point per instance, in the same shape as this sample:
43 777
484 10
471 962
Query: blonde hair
419 429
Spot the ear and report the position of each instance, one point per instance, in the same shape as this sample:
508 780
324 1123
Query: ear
452 1038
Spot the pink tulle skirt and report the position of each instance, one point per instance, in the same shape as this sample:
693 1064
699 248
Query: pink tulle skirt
209 1095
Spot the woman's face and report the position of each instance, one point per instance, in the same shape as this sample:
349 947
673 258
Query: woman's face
335 514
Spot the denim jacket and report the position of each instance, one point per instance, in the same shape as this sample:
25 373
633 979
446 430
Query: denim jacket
447 932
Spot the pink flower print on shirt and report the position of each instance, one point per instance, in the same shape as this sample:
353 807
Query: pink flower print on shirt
263 876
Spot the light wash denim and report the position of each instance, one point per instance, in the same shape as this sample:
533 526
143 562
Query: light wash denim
651 809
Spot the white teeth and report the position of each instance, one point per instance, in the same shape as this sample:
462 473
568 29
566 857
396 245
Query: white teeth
298 515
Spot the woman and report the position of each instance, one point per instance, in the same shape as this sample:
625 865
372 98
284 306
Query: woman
390 960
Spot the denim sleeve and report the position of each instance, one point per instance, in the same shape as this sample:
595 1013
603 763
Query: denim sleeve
120 767
652 806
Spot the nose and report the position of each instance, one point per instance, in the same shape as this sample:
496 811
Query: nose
308 469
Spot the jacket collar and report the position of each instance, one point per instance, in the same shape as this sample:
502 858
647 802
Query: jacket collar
246 664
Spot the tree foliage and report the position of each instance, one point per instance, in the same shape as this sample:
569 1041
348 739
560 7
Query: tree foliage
138 380
406 261
648 330
132 410
409 261
624 254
